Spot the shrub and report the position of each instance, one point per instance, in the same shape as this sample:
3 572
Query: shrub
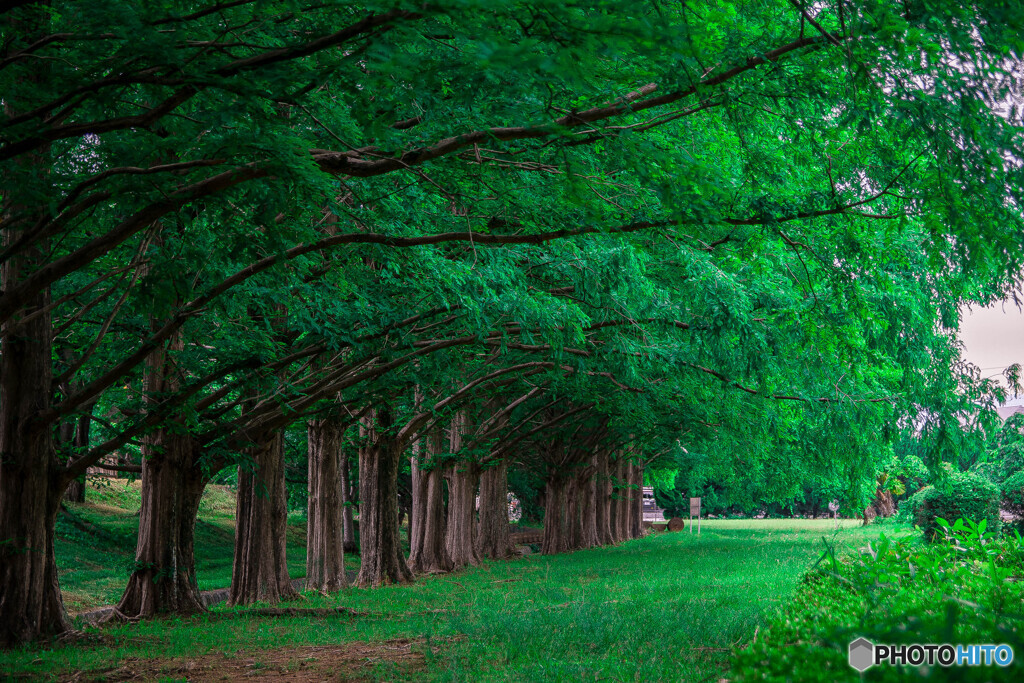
966 496
1013 494
896 591
906 512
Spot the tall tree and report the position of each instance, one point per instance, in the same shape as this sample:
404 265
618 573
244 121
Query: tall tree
325 558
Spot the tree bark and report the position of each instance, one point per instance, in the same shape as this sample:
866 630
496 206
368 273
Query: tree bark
636 500
76 435
603 500
66 443
460 528
325 559
260 568
586 485
418 508
379 457
164 576
461 524
620 502
554 516
573 523
493 539
73 431
31 606
348 501
75 492
430 555
31 483
31 478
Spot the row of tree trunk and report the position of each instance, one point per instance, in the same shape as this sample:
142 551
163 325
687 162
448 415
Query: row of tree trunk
595 504
598 503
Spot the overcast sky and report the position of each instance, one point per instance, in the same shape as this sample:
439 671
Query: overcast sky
994 337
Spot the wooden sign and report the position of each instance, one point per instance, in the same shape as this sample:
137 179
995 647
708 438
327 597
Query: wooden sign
695 510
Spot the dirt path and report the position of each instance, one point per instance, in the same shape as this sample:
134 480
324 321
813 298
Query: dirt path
358 661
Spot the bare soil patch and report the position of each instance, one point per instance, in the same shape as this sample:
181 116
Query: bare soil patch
358 661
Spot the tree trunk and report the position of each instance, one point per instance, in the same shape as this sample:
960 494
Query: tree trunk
573 524
164 577
325 559
461 524
73 431
348 501
636 500
418 508
603 500
493 540
66 445
31 606
76 491
586 486
31 484
430 555
620 498
554 516
31 479
260 569
381 553
418 511
78 437
883 502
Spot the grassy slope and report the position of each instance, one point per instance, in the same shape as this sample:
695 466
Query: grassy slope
96 542
667 607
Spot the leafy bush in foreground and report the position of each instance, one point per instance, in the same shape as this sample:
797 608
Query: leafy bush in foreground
964 496
965 588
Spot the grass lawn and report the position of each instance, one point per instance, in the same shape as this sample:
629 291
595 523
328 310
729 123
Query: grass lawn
668 607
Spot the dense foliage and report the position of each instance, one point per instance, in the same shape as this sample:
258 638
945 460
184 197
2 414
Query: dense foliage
962 495
729 240
963 589
1012 491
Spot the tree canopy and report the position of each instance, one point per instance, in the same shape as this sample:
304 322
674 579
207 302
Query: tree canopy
743 229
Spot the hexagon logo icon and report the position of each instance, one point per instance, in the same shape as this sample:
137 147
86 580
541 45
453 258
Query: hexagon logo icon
862 654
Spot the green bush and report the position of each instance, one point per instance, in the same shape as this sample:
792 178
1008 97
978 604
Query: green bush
906 512
1013 494
964 495
897 591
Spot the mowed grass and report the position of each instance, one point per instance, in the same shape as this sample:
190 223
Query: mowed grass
95 544
667 607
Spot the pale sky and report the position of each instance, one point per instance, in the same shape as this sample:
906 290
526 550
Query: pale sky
994 337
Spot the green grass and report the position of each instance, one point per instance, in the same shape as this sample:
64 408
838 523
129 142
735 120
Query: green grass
667 607
95 544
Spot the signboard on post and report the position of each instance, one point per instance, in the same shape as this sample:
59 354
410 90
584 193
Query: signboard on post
695 511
